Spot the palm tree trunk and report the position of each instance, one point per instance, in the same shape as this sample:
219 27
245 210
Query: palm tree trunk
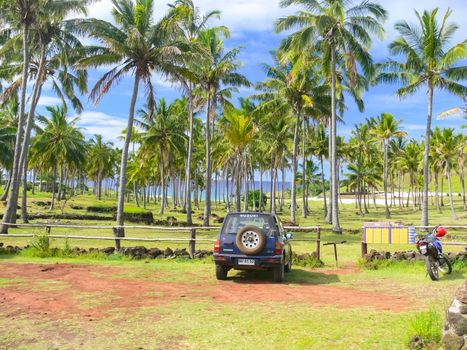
161 167
54 180
328 217
304 209
245 181
261 190
227 194
7 187
189 219
282 188
24 200
442 191
385 178
426 157
209 117
120 231
463 187
334 201
323 186
238 185
438 207
10 210
451 201
293 199
273 190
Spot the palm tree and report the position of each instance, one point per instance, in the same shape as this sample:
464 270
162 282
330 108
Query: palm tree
58 145
100 161
341 32
18 15
135 46
319 147
189 24
299 92
410 161
429 63
446 146
239 131
165 140
217 71
386 128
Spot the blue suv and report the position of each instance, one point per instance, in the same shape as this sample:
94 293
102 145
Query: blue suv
253 241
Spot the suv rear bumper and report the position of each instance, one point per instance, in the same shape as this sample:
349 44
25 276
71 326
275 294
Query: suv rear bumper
261 262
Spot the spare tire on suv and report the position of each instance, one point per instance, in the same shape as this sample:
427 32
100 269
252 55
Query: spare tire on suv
250 240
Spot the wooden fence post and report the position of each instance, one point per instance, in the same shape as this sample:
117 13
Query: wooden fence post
192 243
318 244
116 231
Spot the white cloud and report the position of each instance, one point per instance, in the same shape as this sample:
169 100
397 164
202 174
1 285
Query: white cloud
413 127
49 101
238 15
109 126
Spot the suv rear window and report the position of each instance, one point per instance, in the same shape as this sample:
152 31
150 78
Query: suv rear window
235 222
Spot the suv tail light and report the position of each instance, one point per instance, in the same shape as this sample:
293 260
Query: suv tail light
278 248
217 245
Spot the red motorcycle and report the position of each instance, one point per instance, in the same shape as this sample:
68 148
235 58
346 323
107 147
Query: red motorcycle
431 248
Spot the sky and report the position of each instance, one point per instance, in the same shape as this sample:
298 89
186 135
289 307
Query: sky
251 26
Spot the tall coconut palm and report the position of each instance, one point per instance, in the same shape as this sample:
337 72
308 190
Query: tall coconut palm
219 70
429 64
100 161
136 46
163 139
386 128
239 131
341 31
446 145
190 22
58 145
319 148
18 15
299 92
55 48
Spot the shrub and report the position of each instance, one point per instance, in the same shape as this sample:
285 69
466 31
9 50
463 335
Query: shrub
424 329
306 260
256 195
102 208
145 217
41 243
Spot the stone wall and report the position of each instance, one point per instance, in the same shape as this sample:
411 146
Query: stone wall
455 327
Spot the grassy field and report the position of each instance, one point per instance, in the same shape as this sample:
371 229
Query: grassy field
116 303
351 223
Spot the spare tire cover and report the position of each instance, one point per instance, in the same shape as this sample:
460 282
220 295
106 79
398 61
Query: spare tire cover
250 240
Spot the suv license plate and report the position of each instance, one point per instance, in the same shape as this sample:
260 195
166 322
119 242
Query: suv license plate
246 261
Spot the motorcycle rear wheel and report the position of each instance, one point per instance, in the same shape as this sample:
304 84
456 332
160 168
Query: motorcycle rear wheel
432 267
445 265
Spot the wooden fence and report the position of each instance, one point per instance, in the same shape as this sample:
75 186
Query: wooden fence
191 233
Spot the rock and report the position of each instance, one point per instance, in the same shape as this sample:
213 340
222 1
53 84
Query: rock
108 250
455 327
172 220
154 252
168 252
417 342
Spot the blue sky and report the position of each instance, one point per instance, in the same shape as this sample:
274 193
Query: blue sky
251 25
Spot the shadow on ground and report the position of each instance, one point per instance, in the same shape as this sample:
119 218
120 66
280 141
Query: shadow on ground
297 275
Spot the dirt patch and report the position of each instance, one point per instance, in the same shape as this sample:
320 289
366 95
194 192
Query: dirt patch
94 291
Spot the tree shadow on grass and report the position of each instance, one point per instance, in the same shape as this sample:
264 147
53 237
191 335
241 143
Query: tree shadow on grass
296 276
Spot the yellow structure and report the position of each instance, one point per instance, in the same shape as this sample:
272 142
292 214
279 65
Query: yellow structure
386 233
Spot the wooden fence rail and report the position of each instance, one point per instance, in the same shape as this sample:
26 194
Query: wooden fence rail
192 231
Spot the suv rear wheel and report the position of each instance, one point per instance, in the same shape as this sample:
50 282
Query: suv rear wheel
279 273
221 272
250 240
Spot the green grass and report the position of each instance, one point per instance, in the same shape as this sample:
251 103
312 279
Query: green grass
426 325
